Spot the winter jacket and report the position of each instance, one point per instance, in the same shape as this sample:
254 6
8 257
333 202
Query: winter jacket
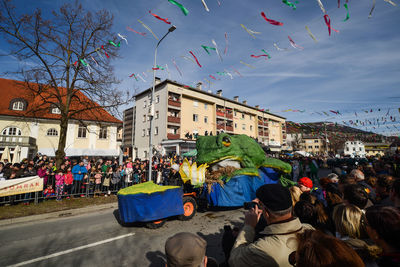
59 179
75 171
68 178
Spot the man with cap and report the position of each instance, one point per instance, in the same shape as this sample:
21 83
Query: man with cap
278 239
305 184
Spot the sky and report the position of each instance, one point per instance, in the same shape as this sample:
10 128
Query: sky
351 71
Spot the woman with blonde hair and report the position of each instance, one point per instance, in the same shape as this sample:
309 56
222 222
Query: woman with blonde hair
295 192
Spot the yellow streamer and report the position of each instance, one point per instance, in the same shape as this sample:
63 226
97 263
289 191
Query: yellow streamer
147 27
250 31
248 65
311 35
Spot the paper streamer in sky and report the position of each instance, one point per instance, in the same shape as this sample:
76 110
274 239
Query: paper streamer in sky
147 27
328 23
229 74
98 53
208 47
94 60
195 58
83 62
132 30
226 44
141 78
278 48
184 10
212 77
390 2
291 4
348 14
249 31
102 47
372 8
123 37
266 56
169 74
134 76
188 58
321 6
271 21
160 18
205 5
248 65
292 43
311 35
235 70
176 66
216 49
114 44
265 52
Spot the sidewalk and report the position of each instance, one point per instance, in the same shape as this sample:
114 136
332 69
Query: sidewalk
58 214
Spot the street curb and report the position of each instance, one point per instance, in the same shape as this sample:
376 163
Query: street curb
57 214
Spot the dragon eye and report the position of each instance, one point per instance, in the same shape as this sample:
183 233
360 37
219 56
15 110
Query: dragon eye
226 141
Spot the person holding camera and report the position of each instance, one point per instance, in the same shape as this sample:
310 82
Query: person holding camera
278 239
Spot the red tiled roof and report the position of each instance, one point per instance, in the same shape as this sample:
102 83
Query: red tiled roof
36 108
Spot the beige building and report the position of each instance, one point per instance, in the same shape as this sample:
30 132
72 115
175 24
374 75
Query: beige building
313 144
94 134
182 112
376 148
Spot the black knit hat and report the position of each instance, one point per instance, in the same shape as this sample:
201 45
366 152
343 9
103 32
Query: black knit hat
275 197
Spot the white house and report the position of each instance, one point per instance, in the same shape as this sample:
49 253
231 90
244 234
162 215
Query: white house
354 149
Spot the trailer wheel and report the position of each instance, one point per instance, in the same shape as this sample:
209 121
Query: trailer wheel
155 224
189 209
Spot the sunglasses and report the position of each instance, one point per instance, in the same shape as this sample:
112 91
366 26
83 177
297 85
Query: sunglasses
292 258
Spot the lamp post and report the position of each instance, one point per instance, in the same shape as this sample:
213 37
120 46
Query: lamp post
171 29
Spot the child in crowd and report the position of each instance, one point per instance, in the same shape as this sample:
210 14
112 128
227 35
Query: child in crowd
49 191
59 184
97 178
68 180
107 181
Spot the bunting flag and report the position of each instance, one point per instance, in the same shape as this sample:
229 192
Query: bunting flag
328 23
286 2
226 44
348 14
132 30
176 66
271 21
250 31
248 65
195 58
123 37
158 17
311 35
208 47
292 43
184 10
148 28
372 8
205 5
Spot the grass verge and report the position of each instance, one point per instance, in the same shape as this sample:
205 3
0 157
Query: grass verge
51 205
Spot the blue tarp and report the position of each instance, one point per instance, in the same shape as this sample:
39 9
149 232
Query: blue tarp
240 189
150 207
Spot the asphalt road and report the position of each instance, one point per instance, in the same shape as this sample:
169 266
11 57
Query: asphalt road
97 239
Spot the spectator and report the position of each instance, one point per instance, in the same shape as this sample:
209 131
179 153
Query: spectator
355 194
59 185
395 193
318 249
175 177
360 179
305 184
78 171
383 227
68 180
305 211
272 249
383 188
333 177
295 192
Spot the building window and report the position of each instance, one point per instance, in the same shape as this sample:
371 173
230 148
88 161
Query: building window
243 116
310 147
144 132
52 132
157 99
11 131
195 117
148 118
235 125
243 126
347 149
205 105
157 114
195 103
144 118
315 141
18 105
156 131
235 113
145 154
251 127
55 110
81 131
354 149
148 131
205 119
144 104
316 146
103 133
251 117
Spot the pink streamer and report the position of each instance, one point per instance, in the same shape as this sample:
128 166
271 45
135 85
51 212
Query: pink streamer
132 30
226 43
176 66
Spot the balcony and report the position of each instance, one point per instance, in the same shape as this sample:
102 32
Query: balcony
172 136
229 115
266 124
220 127
174 103
14 140
229 128
173 119
261 133
260 123
220 114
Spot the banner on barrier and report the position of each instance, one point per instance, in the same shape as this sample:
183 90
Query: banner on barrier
20 186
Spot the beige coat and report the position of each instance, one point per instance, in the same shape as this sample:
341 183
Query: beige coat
273 249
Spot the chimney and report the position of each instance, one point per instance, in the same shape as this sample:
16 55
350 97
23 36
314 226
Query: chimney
219 92
158 80
198 85
257 106
236 98
245 102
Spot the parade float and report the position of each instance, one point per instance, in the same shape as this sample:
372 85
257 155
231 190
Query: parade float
227 172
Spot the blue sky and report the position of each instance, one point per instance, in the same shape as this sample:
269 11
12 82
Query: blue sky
354 70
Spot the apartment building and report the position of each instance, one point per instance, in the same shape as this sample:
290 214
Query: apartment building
313 144
182 112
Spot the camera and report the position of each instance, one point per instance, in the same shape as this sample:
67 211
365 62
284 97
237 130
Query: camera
250 205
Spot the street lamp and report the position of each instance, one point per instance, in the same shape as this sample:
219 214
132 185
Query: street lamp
171 29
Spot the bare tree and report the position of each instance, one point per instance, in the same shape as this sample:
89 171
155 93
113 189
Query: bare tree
69 60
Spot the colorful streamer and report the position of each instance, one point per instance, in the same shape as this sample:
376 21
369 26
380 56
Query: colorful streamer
132 30
235 70
250 31
229 74
134 76
321 6
216 49
212 77
291 4
328 23
205 5
114 44
292 43
248 65
390 2
98 53
311 35
195 58
265 52
271 21
176 66
226 44
348 14
169 74
158 17
94 60
184 10
208 47
123 37
83 62
266 56
102 47
141 78
372 8
148 28
278 48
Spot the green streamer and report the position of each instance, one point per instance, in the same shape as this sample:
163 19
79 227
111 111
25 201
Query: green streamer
161 68
207 47
348 15
83 62
116 45
266 53
286 2
184 10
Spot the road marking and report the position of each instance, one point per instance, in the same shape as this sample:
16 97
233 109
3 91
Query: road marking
70 250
